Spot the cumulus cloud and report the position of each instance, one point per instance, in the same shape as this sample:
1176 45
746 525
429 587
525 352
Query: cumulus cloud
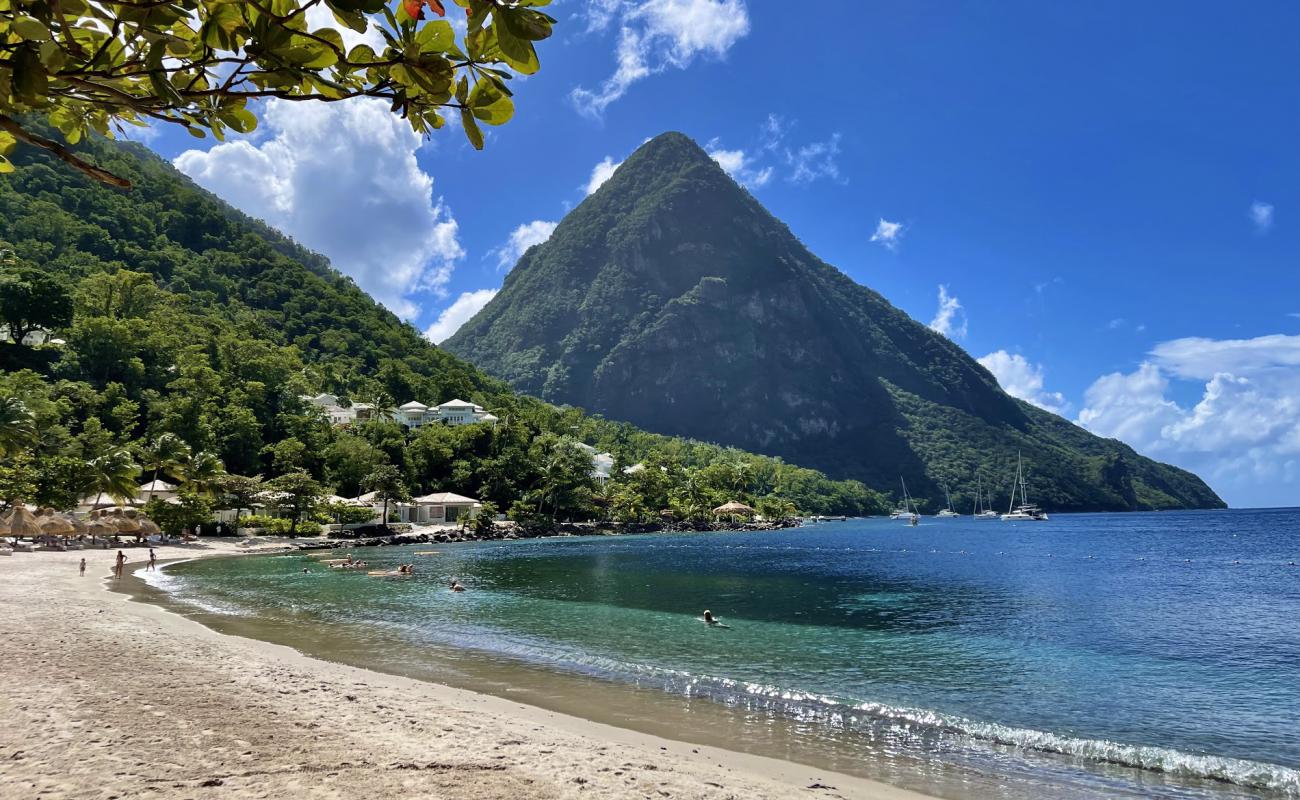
1242 434
522 238
657 35
458 313
342 179
888 234
950 319
1020 378
739 165
602 172
319 16
1261 215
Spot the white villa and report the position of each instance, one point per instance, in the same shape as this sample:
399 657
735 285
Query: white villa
411 415
602 464
432 509
337 414
452 412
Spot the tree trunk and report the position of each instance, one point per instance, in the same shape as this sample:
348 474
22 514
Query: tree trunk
384 523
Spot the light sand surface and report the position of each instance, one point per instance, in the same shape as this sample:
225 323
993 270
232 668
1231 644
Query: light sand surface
107 698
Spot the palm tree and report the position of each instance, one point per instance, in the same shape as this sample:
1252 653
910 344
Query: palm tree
165 455
114 474
17 425
203 473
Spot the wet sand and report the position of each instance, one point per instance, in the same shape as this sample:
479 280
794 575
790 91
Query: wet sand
108 698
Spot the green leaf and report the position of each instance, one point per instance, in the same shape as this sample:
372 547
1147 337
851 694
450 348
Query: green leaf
472 131
30 81
490 104
30 28
5 165
435 36
516 52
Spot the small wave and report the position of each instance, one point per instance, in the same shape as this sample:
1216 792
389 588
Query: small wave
868 717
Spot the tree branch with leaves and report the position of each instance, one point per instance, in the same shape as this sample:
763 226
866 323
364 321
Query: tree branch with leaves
202 64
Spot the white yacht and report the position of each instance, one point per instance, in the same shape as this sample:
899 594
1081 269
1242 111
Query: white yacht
947 513
1026 511
906 512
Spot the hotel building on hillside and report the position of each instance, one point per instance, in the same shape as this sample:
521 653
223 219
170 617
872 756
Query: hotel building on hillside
411 415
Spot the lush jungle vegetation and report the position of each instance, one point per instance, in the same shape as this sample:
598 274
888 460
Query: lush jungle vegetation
189 333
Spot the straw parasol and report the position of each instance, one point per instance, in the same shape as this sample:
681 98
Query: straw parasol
55 525
78 526
735 509
125 524
101 527
20 523
148 527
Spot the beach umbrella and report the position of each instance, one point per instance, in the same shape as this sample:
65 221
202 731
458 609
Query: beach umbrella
55 525
125 524
101 527
79 527
733 507
22 522
148 527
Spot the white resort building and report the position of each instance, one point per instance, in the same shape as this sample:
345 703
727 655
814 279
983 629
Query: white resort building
410 415
432 509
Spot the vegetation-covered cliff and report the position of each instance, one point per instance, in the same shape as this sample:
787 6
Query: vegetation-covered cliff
672 299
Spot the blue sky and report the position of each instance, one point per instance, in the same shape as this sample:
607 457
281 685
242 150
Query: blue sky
1108 192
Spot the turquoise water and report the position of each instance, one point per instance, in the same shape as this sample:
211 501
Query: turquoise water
1089 656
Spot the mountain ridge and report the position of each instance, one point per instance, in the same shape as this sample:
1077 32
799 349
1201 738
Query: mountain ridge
671 298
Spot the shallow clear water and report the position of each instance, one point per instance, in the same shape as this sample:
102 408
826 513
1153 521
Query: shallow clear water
1092 655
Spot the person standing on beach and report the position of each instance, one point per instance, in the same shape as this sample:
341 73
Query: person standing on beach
121 564
153 560
82 571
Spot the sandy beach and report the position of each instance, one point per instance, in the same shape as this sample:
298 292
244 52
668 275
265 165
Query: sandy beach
109 698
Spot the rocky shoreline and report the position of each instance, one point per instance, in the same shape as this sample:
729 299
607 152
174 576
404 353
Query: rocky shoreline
506 531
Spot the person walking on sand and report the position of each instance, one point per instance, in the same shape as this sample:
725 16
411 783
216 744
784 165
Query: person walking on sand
153 560
120 566
82 570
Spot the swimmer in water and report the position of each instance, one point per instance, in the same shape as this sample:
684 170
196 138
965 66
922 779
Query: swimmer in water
712 621
456 587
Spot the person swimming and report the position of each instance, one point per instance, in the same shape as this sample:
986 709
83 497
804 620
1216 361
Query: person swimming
456 587
711 620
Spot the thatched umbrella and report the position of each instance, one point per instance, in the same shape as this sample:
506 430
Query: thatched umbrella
734 509
148 527
125 524
55 525
20 523
78 526
101 527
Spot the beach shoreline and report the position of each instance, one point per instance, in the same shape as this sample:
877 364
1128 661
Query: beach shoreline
109 697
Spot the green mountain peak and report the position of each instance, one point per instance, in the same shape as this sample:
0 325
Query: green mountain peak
672 299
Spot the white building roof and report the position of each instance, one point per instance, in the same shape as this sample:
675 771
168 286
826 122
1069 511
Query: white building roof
489 418
456 404
445 499
156 486
414 406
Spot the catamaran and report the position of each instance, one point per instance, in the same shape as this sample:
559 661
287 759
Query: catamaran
1026 511
947 512
983 510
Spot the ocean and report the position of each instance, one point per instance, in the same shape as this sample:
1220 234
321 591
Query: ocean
1094 655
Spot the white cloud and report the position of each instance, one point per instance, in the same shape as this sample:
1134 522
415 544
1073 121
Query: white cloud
1242 434
950 319
739 165
601 173
458 313
659 34
1201 359
319 16
1024 380
889 234
522 238
815 160
1261 214
342 179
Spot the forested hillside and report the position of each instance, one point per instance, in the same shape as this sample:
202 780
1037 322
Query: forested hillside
672 299
190 319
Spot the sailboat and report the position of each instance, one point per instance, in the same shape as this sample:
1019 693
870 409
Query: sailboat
983 510
947 512
906 512
1026 511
